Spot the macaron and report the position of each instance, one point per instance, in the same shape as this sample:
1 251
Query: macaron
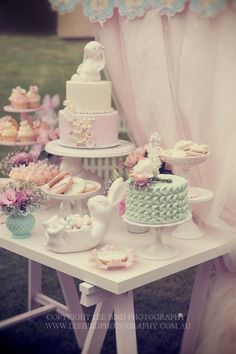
61 183
78 185
183 144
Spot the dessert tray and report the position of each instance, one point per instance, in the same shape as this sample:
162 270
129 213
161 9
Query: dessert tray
157 250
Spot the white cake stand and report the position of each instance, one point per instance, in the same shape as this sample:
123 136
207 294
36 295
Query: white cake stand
190 230
23 112
71 203
157 250
72 157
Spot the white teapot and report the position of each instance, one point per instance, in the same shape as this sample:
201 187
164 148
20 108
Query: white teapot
62 240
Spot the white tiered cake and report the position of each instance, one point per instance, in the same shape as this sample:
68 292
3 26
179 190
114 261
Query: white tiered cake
88 120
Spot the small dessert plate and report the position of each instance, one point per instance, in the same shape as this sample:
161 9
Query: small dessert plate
17 143
10 109
111 257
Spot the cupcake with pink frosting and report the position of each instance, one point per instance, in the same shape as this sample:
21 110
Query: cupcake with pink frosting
33 97
18 98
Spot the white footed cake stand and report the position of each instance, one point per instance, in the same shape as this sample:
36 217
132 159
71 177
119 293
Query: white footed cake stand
72 157
71 203
190 230
157 250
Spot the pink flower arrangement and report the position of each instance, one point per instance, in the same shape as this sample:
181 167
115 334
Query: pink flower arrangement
140 179
21 158
15 159
44 132
21 198
135 157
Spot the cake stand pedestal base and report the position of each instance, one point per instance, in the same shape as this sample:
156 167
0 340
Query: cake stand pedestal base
188 231
158 250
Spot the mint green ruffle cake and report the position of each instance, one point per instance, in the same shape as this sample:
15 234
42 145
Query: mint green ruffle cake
158 203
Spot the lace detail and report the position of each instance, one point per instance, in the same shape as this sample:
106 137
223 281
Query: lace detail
169 7
132 8
207 8
101 10
64 6
98 10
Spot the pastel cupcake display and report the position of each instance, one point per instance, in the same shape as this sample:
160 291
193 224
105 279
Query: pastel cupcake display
25 133
18 98
33 97
9 132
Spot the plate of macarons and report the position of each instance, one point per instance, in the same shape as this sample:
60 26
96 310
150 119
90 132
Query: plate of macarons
67 187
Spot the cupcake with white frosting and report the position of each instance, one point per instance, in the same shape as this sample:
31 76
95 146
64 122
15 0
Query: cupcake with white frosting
25 133
9 132
33 97
18 98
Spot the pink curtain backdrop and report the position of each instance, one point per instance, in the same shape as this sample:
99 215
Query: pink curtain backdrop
177 76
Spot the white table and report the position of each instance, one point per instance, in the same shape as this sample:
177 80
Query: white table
112 290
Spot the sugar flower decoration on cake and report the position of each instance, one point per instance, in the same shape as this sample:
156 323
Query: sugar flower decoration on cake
144 164
21 198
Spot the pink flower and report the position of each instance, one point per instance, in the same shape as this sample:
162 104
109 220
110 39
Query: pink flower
21 158
43 137
21 197
140 179
121 208
8 198
54 134
135 157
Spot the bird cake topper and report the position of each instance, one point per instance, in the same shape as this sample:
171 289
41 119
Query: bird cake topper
93 63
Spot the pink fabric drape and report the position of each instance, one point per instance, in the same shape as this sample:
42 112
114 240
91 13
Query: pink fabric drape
178 77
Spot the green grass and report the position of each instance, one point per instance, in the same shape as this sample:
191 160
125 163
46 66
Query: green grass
48 62
44 61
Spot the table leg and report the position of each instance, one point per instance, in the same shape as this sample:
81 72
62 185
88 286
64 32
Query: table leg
98 328
75 309
126 340
123 307
34 283
198 298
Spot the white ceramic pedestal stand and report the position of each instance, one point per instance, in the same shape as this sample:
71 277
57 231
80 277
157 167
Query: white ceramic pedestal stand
190 230
157 250
72 157
71 203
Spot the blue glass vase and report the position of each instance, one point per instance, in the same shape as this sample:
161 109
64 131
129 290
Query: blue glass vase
20 226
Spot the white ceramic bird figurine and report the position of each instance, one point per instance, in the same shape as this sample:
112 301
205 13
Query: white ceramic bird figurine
62 240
